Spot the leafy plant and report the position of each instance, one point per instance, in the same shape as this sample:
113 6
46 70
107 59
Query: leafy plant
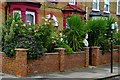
97 30
76 32
9 35
100 32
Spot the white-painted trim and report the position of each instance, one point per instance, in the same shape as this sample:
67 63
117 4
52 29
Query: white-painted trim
32 13
106 11
17 11
72 2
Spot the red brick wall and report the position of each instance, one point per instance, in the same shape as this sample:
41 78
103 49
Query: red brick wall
106 57
74 60
8 65
0 62
47 63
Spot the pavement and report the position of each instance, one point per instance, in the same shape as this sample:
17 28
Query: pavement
91 72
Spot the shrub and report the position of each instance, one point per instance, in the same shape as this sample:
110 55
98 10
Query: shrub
35 38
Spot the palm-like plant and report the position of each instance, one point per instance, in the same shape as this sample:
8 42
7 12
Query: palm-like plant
97 29
76 32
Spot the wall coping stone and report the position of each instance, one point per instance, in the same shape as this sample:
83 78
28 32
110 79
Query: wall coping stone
1 52
52 53
59 48
117 45
78 52
21 49
95 47
86 47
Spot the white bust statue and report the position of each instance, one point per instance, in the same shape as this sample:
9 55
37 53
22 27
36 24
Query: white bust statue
85 41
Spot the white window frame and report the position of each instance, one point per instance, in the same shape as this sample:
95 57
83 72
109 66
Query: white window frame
95 1
72 2
17 11
118 7
107 2
32 13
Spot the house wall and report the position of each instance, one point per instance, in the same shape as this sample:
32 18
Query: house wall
55 10
113 9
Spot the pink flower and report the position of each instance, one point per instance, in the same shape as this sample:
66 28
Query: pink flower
29 24
24 25
16 24
53 41
36 30
60 34
43 18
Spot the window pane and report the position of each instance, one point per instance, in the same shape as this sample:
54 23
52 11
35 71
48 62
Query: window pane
72 2
106 8
94 5
119 9
16 14
29 18
119 2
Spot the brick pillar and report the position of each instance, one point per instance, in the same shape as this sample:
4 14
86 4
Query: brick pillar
21 62
95 56
61 58
1 59
86 56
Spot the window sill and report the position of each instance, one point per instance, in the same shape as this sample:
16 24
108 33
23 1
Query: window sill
95 10
118 14
106 12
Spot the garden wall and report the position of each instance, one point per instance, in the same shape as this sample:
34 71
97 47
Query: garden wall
105 58
99 58
50 62
54 62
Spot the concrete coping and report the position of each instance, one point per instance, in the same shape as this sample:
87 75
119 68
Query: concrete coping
52 53
115 49
95 47
117 45
21 49
78 52
59 48
86 47
1 52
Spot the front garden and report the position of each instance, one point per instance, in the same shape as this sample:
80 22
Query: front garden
31 48
43 37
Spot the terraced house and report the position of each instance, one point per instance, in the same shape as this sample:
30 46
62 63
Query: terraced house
33 10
